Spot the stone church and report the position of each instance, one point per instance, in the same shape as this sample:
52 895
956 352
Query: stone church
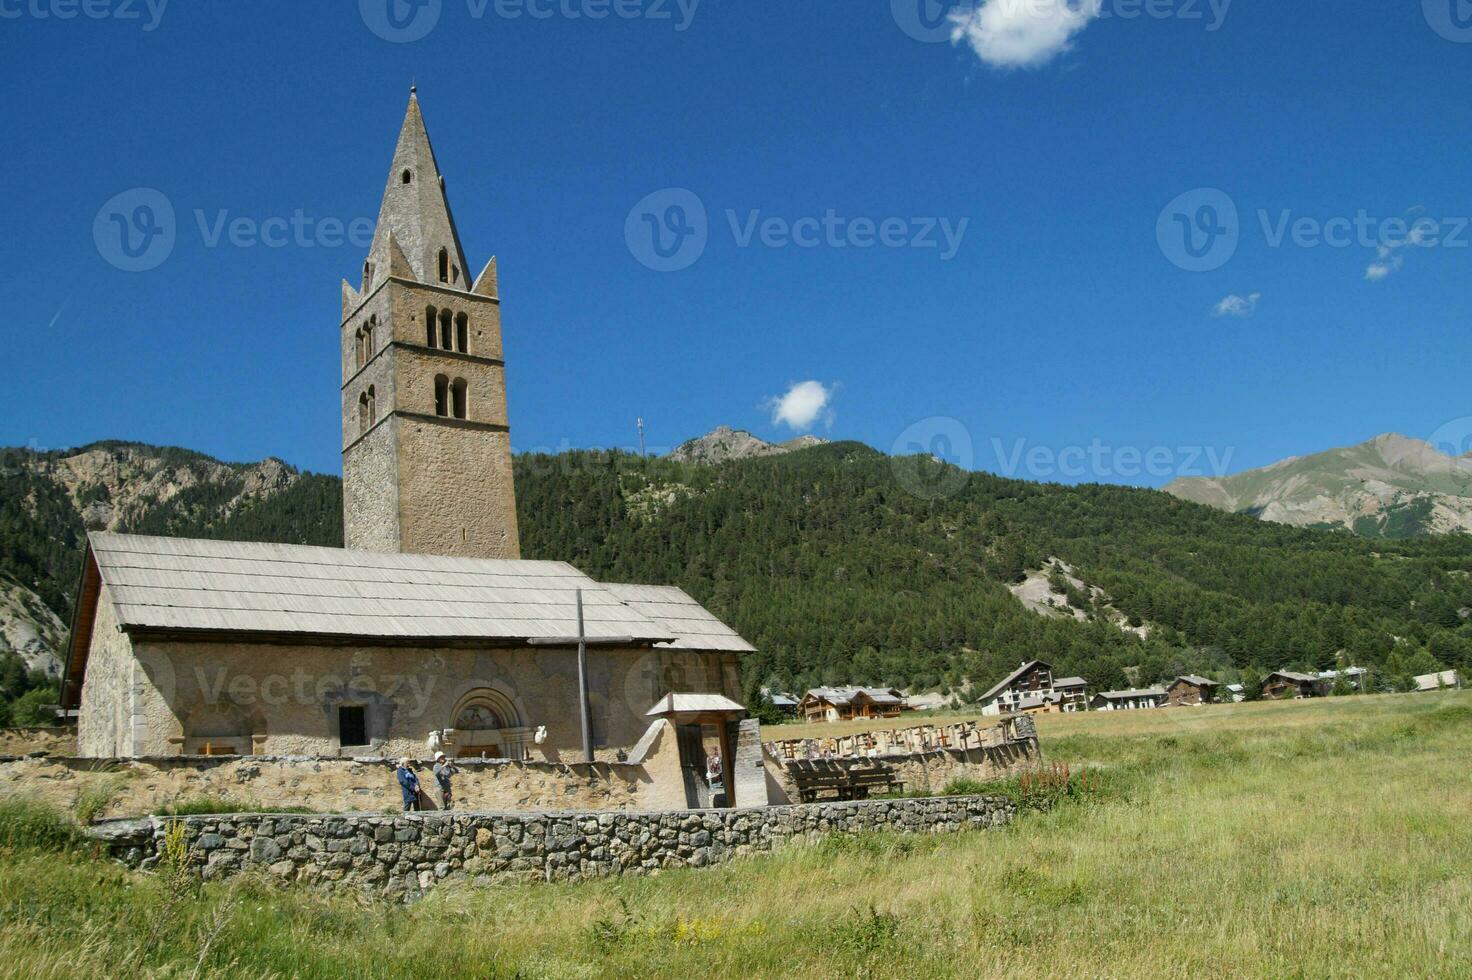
428 630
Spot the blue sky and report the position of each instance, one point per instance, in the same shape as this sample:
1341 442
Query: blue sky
1055 331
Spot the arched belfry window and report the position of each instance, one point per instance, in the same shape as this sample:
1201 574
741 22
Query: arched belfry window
444 265
406 176
447 327
372 405
458 397
441 395
358 350
368 338
367 275
363 421
431 331
462 333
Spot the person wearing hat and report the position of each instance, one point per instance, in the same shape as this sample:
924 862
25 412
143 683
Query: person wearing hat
442 773
409 783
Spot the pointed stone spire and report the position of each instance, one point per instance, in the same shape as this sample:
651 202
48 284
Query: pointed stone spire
416 214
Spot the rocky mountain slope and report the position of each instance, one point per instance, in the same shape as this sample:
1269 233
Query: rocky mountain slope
724 443
1389 487
50 499
29 628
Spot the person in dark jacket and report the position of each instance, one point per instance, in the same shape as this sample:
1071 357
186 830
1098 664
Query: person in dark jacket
409 783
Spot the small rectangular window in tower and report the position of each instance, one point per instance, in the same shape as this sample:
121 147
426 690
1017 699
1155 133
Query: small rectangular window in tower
352 725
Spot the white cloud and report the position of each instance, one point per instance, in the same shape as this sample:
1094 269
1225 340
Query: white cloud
1021 33
802 406
1384 266
1238 306
1389 259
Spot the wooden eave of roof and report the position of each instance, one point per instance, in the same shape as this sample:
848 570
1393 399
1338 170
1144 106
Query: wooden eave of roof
79 640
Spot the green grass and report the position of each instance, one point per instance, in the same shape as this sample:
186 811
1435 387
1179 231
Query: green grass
1301 839
205 805
28 827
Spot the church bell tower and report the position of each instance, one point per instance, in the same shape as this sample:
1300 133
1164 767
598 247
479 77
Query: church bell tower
426 456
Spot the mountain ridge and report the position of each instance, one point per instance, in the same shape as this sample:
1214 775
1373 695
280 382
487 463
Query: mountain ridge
1391 486
723 444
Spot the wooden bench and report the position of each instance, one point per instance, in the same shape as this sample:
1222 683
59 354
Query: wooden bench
846 779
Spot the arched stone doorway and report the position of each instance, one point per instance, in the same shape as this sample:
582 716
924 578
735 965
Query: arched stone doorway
486 725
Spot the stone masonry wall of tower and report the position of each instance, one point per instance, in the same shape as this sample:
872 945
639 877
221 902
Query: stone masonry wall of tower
426 439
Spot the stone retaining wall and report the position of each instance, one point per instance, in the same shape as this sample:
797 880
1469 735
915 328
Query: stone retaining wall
401 856
47 741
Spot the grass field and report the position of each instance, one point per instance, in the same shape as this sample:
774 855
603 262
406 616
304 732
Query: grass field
1303 839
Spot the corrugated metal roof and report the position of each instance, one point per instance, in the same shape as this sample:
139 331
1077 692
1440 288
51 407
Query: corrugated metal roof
671 608
190 584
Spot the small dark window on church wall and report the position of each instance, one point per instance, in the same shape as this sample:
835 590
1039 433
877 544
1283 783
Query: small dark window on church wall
430 331
441 395
446 327
460 398
406 176
372 405
367 275
462 333
444 266
352 725
362 413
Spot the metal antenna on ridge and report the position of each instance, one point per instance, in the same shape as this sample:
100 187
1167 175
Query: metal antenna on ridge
642 451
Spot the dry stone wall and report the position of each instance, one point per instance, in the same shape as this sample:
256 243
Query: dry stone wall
402 856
